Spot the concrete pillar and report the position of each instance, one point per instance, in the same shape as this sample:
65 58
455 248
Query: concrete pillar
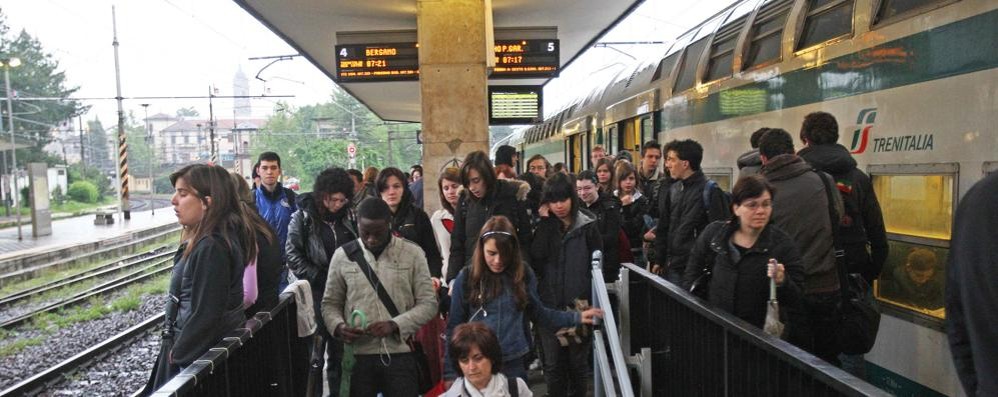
454 46
38 188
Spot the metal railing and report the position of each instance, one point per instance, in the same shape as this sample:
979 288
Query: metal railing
691 349
266 358
607 369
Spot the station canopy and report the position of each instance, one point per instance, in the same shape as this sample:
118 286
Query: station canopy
313 26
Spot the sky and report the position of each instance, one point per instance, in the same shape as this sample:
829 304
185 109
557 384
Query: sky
183 47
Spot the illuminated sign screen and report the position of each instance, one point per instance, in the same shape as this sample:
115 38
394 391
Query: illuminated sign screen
515 104
526 59
377 62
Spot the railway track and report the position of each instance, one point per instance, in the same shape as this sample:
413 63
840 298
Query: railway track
63 370
151 270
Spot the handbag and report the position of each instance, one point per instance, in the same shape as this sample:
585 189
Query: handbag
355 254
858 314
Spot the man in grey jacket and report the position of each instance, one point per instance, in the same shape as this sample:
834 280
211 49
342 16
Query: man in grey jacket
385 362
801 208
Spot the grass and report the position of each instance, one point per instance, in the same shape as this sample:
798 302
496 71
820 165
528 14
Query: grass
50 275
18 345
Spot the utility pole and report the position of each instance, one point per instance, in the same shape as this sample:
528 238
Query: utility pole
83 156
211 126
121 156
152 160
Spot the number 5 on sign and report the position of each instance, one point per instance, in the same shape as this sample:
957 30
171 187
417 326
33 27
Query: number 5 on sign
550 47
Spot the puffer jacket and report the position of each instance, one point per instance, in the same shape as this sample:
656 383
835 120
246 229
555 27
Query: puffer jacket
800 207
507 198
206 296
411 223
606 209
861 231
738 283
504 318
307 256
682 217
562 260
276 208
402 271
749 163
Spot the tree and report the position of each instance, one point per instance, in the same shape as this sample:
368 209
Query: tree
140 152
96 141
37 76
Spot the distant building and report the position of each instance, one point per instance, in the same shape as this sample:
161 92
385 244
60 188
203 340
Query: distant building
186 140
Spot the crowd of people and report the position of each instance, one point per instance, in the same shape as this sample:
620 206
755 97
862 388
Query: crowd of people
503 268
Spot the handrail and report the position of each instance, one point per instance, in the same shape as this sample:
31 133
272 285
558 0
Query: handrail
821 371
601 299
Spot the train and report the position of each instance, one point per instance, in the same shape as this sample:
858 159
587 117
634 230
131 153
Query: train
912 83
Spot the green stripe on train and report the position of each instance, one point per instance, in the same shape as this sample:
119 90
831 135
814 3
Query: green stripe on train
896 384
961 47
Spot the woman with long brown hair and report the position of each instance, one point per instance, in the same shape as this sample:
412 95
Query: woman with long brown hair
263 253
499 290
206 289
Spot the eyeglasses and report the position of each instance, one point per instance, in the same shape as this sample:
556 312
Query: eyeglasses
754 205
336 200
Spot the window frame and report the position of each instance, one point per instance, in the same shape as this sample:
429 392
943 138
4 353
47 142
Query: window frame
695 66
933 169
721 171
877 23
733 32
807 13
751 36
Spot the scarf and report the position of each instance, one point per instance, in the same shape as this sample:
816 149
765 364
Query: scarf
497 387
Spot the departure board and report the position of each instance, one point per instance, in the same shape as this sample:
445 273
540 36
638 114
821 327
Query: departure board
515 104
526 59
377 62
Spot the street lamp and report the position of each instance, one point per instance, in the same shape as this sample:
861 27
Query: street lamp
8 63
151 142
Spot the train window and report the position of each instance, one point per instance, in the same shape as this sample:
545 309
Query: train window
665 67
826 20
913 278
916 205
723 177
647 129
688 68
722 50
897 9
767 33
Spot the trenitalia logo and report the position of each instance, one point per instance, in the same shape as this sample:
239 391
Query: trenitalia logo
861 137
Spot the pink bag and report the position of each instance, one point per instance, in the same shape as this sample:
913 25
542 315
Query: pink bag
249 284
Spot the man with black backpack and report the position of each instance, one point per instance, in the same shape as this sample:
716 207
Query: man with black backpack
861 231
685 208
801 208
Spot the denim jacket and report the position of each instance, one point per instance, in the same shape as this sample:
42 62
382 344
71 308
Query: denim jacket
502 316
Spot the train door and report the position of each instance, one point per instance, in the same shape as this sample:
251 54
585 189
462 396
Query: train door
612 140
576 153
630 137
647 129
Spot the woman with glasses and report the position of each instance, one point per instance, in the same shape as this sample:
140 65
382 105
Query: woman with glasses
738 253
500 291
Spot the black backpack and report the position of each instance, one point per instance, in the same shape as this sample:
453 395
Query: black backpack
725 198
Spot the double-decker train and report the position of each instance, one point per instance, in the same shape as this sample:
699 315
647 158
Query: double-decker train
913 84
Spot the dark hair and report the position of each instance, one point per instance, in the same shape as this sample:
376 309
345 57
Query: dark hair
819 128
775 142
252 223
415 168
560 187
449 174
624 155
330 181
256 174
754 139
479 161
374 208
687 150
652 144
588 175
547 164
356 174
608 162
468 335
504 155
624 169
370 174
382 184
223 215
559 167
482 284
750 187
268 156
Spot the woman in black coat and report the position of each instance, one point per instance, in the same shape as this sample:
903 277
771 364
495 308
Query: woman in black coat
634 207
408 221
485 196
738 253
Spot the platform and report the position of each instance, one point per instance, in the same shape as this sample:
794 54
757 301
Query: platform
79 230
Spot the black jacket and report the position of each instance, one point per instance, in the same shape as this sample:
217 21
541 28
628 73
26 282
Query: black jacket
268 274
682 217
507 198
206 296
411 223
563 260
307 256
861 231
972 290
606 209
738 283
632 220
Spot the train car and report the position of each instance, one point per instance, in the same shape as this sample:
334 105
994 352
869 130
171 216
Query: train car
914 86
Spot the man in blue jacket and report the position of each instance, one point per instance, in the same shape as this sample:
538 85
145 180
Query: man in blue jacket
275 203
